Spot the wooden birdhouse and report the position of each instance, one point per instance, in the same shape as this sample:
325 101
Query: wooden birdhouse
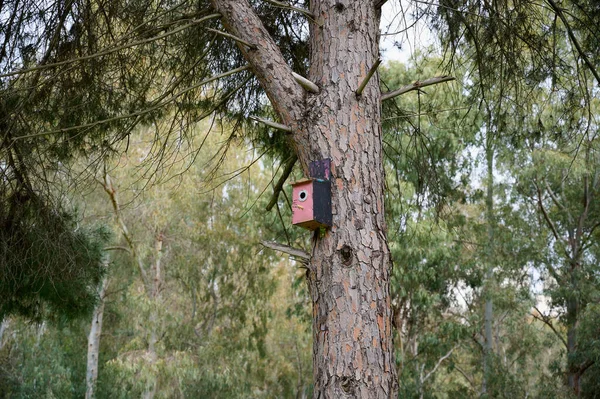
311 198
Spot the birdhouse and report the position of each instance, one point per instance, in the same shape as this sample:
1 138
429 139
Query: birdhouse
311 203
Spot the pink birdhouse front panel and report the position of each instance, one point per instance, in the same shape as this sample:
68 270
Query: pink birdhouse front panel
302 202
311 204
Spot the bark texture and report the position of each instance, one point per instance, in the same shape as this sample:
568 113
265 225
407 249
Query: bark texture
352 330
350 263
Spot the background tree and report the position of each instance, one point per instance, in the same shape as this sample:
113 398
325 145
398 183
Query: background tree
528 57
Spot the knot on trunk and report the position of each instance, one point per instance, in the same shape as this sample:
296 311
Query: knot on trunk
346 255
347 385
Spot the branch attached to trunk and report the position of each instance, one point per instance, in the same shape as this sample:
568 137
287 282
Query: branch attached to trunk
301 255
267 61
305 83
368 77
232 37
416 86
586 365
157 104
279 186
110 50
272 124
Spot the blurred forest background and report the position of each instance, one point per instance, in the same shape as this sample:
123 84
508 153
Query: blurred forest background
492 207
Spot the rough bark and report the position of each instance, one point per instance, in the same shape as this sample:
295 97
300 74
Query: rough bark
91 374
352 332
350 263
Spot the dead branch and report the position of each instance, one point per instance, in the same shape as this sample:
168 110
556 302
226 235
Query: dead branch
302 256
232 37
272 124
368 77
305 83
278 187
416 86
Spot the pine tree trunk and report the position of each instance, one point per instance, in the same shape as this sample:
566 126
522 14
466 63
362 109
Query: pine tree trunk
91 374
352 330
350 264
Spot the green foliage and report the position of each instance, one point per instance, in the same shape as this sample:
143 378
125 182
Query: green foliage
230 319
42 360
50 266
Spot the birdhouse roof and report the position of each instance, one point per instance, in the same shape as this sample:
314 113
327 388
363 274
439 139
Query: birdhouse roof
301 181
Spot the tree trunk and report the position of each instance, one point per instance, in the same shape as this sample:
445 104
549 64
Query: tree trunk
3 327
91 374
152 284
573 371
350 264
488 347
153 290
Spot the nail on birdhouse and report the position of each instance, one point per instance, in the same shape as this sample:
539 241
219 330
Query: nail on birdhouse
311 198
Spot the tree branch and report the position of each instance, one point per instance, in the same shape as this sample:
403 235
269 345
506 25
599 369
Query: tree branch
368 77
585 366
557 202
380 3
158 105
117 248
267 61
464 374
446 356
587 199
585 58
272 124
111 50
302 256
278 187
545 319
305 83
415 86
549 221
232 37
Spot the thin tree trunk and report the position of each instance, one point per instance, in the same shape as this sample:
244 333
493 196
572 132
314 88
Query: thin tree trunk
154 297
152 284
488 346
3 327
91 374
572 321
350 264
